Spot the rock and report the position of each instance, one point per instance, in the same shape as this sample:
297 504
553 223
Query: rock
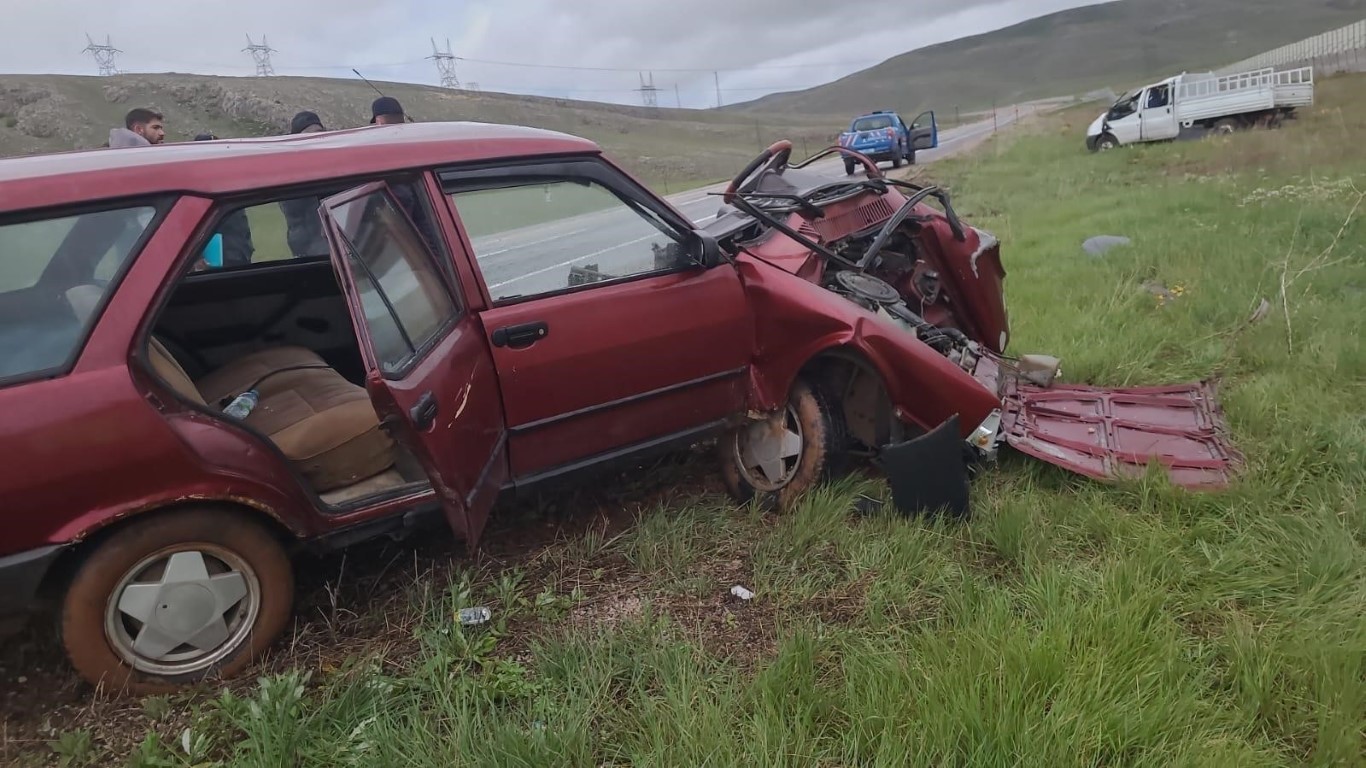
1101 244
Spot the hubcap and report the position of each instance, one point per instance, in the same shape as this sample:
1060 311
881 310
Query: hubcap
769 452
178 612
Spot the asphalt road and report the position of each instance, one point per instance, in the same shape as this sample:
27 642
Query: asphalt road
618 241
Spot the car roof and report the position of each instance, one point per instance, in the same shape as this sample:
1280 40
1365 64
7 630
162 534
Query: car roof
230 166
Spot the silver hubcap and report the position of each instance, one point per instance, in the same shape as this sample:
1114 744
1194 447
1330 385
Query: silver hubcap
178 612
769 452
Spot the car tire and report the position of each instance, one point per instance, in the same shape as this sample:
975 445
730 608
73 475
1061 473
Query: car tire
910 157
1106 143
816 423
213 579
896 159
1225 127
849 166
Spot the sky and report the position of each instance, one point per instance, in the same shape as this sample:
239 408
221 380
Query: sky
581 49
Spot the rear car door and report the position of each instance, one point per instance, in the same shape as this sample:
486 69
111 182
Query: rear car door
428 367
925 131
608 335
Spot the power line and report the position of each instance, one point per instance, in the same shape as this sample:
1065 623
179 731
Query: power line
700 70
445 65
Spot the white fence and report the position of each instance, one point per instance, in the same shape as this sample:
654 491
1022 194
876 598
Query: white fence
1338 50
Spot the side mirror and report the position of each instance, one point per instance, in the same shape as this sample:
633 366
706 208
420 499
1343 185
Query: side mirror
705 250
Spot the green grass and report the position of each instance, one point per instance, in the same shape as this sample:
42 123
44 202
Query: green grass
1066 623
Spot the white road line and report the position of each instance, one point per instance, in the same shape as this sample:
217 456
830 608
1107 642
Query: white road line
571 261
528 245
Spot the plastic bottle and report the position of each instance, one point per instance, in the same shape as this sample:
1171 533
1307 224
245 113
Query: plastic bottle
241 405
474 616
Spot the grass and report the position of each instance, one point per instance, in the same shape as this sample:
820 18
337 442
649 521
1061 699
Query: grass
1066 623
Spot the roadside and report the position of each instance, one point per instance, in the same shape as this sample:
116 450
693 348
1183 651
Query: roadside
1067 621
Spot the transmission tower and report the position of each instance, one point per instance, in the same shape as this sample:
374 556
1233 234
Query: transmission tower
445 64
104 55
649 94
261 55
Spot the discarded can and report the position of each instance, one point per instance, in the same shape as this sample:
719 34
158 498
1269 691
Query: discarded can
474 616
741 592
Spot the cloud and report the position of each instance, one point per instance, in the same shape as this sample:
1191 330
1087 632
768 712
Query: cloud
756 46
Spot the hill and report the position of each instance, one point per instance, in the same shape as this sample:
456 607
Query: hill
666 147
1116 44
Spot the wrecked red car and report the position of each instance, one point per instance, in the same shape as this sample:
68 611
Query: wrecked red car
214 354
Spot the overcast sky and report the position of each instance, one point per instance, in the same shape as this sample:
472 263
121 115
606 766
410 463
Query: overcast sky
765 44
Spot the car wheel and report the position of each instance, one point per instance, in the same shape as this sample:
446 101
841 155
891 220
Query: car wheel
176 599
910 158
849 166
1225 127
1107 143
776 460
896 159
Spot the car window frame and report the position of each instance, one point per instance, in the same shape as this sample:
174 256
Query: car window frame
161 205
594 169
449 284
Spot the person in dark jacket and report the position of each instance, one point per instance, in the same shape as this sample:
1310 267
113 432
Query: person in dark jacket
304 227
386 111
235 229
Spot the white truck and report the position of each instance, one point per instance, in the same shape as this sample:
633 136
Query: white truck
1193 105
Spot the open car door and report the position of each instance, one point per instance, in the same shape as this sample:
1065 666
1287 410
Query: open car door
429 370
925 131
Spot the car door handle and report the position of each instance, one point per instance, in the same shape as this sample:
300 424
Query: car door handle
520 336
423 413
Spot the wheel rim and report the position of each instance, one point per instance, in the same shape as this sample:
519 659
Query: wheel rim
182 610
769 452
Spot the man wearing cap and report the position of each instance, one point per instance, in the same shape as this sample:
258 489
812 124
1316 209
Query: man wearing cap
386 111
304 230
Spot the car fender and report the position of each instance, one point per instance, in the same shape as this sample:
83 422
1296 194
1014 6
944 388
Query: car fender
798 321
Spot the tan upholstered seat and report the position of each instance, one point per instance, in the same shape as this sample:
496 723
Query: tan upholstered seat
324 424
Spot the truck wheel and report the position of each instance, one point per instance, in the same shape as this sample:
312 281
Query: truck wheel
176 599
1107 143
849 166
777 460
1225 127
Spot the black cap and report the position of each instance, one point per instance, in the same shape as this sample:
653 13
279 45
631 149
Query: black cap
303 120
385 105
206 137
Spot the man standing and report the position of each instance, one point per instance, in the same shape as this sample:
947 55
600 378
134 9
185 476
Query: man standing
235 229
386 111
142 128
303 228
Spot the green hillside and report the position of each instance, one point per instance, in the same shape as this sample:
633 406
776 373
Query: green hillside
1111 45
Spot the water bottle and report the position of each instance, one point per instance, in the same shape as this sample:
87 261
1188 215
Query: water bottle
472 617
241 405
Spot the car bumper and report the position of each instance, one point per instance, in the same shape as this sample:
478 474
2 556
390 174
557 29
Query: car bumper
21 574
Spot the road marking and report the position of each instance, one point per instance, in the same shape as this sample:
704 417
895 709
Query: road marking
527 245
571 261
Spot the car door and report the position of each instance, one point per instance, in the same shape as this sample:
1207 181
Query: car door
428 366
925 131
609 337
1158 118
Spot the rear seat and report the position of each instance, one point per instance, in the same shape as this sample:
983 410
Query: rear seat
323 423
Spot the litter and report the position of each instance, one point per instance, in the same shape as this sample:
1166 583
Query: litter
471 617
741 592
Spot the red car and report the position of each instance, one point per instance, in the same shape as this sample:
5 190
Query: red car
212 354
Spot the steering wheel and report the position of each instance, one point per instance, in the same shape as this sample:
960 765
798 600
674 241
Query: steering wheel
776 156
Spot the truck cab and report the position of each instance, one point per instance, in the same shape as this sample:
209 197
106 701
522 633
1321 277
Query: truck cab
883 136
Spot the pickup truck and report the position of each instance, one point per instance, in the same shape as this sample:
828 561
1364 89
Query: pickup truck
883 136
1194 105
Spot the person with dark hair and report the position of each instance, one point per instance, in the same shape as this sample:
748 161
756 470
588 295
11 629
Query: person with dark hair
141 128
304 229
235 230
386 111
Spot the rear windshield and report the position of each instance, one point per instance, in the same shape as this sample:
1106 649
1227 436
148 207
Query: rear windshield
876 123
54 274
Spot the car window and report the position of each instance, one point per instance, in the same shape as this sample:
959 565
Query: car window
405 301
873 123
288 228
541 237
54 275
